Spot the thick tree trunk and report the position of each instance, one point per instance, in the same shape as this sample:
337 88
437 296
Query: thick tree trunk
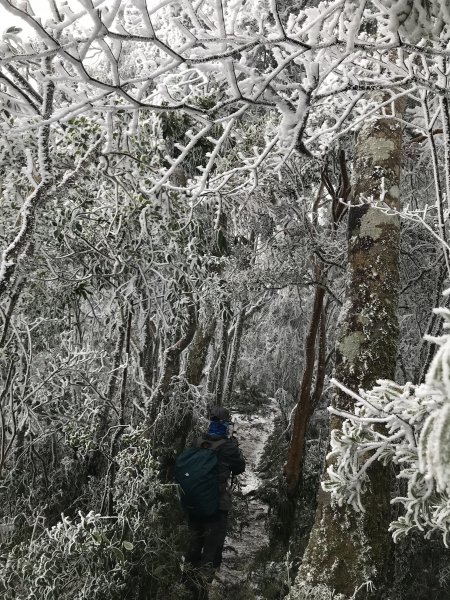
346 549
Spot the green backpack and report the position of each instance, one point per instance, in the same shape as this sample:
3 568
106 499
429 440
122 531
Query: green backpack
197 474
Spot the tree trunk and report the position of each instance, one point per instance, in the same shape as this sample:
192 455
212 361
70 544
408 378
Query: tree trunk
303 409
316 334
171 360
18 248
427 349
108 500
149 354
199 351
234 355
95 459
223 353
194 372
18 288
321 362
346 549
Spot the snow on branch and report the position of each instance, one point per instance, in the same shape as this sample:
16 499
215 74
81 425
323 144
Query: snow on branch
408 426
304 77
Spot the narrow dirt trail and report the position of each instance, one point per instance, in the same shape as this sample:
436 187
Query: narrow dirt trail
241 546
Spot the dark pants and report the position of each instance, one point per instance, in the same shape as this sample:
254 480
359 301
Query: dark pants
207 540
204 554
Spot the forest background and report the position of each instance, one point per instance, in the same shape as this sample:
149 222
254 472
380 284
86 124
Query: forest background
224 202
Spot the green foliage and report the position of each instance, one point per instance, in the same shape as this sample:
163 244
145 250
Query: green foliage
81 132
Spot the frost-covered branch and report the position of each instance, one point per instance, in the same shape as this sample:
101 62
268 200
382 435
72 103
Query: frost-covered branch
18 247
405 425
222 66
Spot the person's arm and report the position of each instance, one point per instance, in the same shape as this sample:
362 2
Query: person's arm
232 456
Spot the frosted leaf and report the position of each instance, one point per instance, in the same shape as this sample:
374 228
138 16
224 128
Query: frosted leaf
438 449
424 443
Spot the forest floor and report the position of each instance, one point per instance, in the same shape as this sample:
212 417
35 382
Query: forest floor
248 534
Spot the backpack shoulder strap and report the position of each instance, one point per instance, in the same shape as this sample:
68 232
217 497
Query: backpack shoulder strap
217 444
210 444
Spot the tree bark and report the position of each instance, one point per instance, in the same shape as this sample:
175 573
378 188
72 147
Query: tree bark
115 442
194 372
306 400
303 410
199 351
321 362
346 549
427 349
171 358
95 462
149 354
223 353
18 288
20 245
234 355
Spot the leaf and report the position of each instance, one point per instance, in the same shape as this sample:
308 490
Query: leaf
118 554
98 537
128 545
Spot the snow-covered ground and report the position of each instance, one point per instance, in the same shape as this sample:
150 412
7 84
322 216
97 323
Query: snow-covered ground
252 432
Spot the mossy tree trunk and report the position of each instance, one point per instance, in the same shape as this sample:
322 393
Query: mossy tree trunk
347 549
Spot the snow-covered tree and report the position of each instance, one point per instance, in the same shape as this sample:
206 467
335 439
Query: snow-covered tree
137 140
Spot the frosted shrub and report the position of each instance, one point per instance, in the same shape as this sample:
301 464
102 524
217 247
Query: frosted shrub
94 557
84 558
305 592
409 426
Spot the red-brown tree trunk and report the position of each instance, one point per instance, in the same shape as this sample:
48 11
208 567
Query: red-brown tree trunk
303 410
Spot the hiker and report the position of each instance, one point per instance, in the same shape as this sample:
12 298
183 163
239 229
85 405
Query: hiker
208 502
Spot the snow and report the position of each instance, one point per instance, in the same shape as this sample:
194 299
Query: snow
252 431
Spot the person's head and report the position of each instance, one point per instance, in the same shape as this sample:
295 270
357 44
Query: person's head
219 421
